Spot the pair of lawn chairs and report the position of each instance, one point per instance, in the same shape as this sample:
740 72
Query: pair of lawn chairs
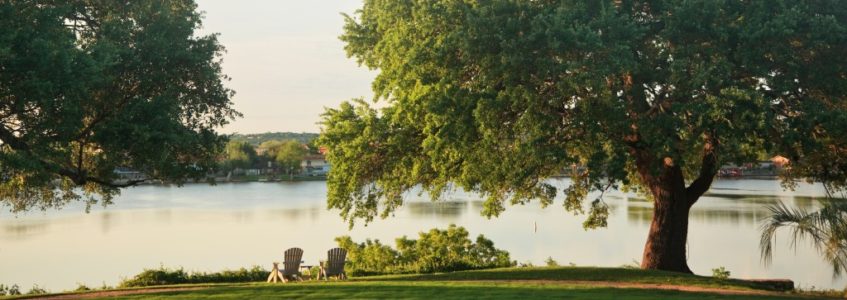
333 266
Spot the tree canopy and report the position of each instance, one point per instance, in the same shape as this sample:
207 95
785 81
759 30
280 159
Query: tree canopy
239 154
497 96
289 155
257 139
90 86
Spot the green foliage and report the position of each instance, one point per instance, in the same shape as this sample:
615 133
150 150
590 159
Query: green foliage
720 273
826 228
12 290
445 290
257 139
550 262
82 288
239 154
369 258
91 86
165 276
289 155
433 251
497 96
526 264
36 290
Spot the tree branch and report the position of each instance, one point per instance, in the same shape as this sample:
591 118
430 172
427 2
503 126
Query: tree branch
111 184
78 176
708 170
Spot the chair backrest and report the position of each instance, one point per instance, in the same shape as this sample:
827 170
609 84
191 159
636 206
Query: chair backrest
291 265
335 261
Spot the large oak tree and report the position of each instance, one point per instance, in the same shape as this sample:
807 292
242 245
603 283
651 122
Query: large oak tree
497 96
90 86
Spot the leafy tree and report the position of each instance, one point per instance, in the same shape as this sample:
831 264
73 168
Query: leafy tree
826 228
497 96
257 139
289 155
270 148
239 154
90 86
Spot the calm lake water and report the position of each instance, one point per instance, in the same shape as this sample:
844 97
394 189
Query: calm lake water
228 226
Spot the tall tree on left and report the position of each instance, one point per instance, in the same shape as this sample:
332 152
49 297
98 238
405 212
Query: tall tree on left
88 86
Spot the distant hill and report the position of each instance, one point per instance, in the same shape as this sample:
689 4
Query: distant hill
257 138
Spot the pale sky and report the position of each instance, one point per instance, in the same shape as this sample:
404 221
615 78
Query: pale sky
285 60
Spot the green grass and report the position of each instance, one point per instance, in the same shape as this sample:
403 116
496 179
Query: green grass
510 283
429 290
582 274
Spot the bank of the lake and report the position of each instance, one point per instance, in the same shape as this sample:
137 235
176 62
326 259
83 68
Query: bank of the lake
228 226
508 283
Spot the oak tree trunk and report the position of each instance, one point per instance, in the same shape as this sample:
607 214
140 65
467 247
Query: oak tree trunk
666 242
672 200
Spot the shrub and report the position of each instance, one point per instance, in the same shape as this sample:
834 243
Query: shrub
82 288
551 262
12 290
36 290
164 276
434 251
720 273
369 258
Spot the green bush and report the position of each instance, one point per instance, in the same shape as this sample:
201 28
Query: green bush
82 288
12 290
36 290
164 276
720 273
434 251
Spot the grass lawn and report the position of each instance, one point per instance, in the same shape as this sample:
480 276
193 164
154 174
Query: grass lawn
583 274
511 283
431 290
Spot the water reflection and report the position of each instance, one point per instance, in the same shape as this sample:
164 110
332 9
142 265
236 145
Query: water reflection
438 209
164 216
194 227
23 230
723 208
759 199
242 216
809 203
293 214
107 220
644 215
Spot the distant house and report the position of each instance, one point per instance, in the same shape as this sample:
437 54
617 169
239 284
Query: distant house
314 164
766 168
780 161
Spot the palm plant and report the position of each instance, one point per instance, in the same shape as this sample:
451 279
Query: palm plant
827 228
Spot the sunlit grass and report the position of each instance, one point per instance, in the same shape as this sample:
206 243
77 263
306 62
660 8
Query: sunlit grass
507 283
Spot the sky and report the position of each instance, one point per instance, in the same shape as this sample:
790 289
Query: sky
285 61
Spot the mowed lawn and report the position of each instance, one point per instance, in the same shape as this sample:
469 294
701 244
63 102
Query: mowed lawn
511 283
433 290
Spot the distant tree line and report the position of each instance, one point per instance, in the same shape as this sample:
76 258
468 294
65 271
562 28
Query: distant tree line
257 139
280 155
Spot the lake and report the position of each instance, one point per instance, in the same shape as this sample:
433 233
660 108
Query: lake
228 226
